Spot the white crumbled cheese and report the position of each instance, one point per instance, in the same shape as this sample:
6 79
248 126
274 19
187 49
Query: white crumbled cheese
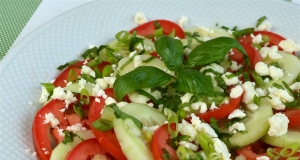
275 72
221 148
271 52
82 83
238 126
69 83
252 106
257 39
266 80
97 100
137 61
27 151
260 92
282 94
50 118
276 102
262 158
187 51
33 154
140 18
230 81
249 92
213 106
65 81
186 128
60 132
236 91
151 129
87 70
76 127
217 68
264 26
289 45
199 106
156 94
139 47
189 145
295 86
96 89
183 21
136 98
92 46
237 114
202 127
186 98
52 81
206 29
131 54
235 66
121 104
60 94
102 83
44 96
110 100
261 68
278 125
110 81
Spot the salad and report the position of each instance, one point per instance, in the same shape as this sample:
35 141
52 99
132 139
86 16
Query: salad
163 92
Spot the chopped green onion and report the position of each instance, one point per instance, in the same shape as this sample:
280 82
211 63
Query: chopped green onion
148 59
94 62
265 39
134 41
181 152
243 32
171 120
206 143
123 37
288 88
130 60
275 64
181 114
234 28
289 150
49 87
158 32
102 124
258 79
166 155
172 34
260 20
84 96
123 115
90 53
183 138
221 82
107 70
273 153
72 76
157 25
61 67
276 85
257 46
97 73
225 28
88 78
69 137
78 110
229 75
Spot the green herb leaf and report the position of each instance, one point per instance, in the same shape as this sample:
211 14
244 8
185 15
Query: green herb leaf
260 20
141 77
134 41
243 32
61 67
212 51
69 137
171 51
78 110
194 82
90 53
102 124
49 87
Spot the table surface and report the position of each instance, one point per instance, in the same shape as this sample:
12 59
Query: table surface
23 17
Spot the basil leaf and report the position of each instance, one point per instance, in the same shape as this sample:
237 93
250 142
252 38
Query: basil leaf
194 82
212 51
141 77
170 50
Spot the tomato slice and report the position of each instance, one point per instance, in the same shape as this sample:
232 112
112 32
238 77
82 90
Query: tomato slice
251 52
86 150
275 39
293 116
223 111
107 139
41 130
148 28
159 142
63 76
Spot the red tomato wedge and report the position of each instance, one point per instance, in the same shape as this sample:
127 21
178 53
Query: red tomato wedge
41 130
223 111
159 142
148 28
275 39
293 116
107 139
62 78
251 52
86 150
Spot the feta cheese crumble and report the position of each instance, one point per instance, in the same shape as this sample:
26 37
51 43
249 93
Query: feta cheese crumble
278 125
183 21
140 18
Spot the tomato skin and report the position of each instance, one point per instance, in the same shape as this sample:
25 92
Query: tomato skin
63 76
159 142
293 116
85 150
107 139
148 28
251 52
41 131
275 39
222 112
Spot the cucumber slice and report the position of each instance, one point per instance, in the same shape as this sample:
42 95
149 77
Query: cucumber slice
129 67
292 136
61 150
108 113
129 137
74 87
147 115
256 123
291 67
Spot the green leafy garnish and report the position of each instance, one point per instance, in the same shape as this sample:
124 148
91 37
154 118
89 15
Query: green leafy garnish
141 77
134 40
260 20
61 67
243 32
170 50
69 137
102 124
49 87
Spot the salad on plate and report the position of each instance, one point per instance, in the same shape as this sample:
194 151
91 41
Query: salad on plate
163 91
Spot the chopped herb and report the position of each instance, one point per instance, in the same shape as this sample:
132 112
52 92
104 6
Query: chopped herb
90 53
278 86
166 155
148 59
72 75
103 124
135 41
275 64
260 20
69 137
49 87
225 28
61 67
107 70
258 79
78 110
243 32
88 78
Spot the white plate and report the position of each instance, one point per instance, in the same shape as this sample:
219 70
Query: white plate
35 58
